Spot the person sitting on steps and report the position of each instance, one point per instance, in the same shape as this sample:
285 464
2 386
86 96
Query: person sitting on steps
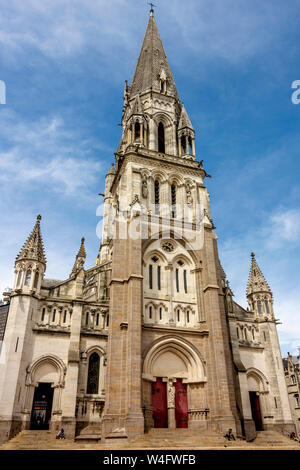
230 435
294 437
61 434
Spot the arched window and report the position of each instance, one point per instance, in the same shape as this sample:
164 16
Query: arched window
184 281
238 332
150 313
107 320
137 134
253 336
190 145
19 278
178 315
156 196
259 307
93 374
245 334
161 138
173 199
36 279
53 315
293 379
43 314
28 277
177 279
97 319
160 313
150 276
182 142
65 316
188 316
87 318
267 306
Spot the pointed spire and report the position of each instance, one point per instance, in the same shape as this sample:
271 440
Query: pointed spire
80 259
257 281
33 248
184 120
112 170
152 63
81 251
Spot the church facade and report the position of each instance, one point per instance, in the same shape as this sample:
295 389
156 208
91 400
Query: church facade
150 336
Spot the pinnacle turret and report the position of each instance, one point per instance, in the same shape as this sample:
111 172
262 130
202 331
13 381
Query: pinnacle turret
259 294
33 248
184 121
256 282
80 259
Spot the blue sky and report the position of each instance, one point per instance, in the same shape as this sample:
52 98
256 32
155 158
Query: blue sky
64 64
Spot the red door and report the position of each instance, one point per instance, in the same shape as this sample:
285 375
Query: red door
256 413
181 404
159 404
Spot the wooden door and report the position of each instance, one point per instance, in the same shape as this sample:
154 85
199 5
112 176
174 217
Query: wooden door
256 412
181 404
159 404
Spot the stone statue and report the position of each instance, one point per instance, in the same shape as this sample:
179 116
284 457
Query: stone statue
144 187
189 198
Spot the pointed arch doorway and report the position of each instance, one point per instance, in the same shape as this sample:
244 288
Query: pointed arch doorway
170 365
41 406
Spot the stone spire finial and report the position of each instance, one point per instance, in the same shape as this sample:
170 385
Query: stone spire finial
184 121
152 60
33 248
256 282
80 259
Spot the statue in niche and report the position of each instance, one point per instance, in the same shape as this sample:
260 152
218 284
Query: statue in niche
189 198
144 187
171 394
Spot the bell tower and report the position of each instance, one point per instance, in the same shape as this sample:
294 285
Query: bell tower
165 290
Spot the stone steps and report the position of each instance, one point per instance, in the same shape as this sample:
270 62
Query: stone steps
154 439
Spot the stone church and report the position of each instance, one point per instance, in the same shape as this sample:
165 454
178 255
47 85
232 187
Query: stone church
150 336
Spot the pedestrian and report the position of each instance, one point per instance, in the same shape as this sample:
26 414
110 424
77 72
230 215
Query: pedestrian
230 435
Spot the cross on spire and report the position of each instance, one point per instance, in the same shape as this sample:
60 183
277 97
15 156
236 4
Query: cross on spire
152 5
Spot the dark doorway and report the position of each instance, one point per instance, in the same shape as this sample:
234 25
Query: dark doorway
181 404
159 404
42 406
256 412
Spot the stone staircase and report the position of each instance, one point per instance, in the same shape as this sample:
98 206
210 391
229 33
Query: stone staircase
154 439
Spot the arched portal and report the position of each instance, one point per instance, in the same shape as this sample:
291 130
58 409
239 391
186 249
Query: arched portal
170 366
258 389
44 383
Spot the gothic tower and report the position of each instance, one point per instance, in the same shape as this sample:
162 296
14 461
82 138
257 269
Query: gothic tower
30 266
168 333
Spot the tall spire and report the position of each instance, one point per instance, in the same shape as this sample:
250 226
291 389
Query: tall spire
33 248
152 67
257 282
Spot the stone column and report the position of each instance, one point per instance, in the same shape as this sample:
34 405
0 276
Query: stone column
123 406
71 381
152 135
193 147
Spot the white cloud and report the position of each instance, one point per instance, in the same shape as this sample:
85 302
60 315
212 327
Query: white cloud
46 152
234 29
284 227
